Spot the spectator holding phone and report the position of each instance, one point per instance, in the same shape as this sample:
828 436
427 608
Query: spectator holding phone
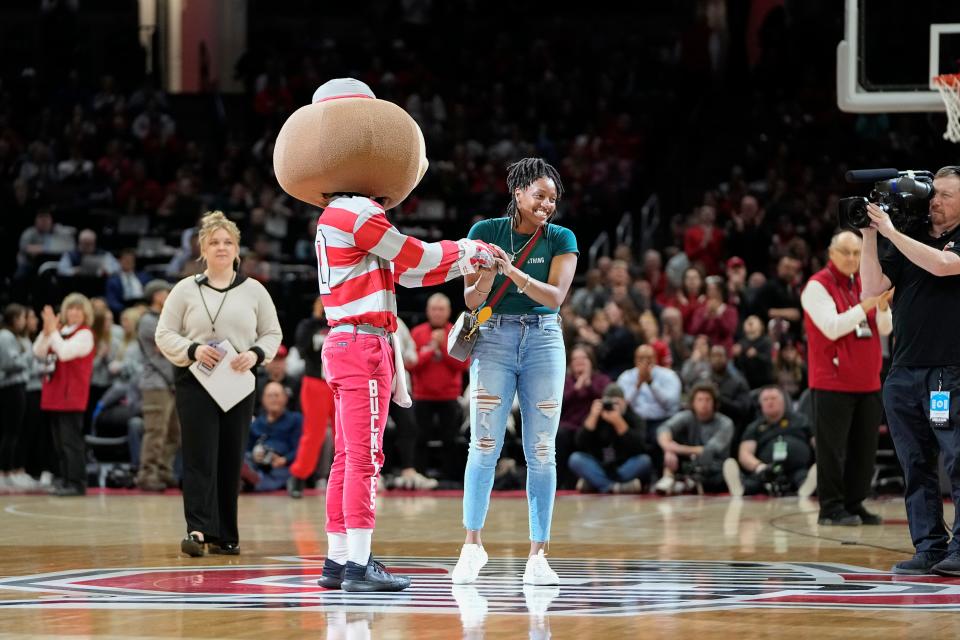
200 312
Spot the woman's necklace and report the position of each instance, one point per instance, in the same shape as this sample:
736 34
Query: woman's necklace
513 253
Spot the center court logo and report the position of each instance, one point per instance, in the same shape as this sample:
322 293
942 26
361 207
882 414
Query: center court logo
588 588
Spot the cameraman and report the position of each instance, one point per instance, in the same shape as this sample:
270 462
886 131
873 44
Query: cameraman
699 436
926 359
777 446
610 447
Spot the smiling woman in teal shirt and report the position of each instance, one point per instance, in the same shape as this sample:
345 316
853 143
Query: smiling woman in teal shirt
520 353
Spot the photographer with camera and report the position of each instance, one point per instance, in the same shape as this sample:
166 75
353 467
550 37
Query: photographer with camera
775 452
919 394
274 438
695 443
844 355
610 447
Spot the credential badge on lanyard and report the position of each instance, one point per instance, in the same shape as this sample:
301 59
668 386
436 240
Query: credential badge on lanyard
939 405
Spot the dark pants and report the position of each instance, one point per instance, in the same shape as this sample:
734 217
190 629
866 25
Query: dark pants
565 446
213 446
906 398
405 438
37 442
67 430
443 418
13 403
846 430
653 447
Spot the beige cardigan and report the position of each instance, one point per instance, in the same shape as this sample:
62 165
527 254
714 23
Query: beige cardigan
248 319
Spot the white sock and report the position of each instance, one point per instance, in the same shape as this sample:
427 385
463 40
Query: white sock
337 547
358 545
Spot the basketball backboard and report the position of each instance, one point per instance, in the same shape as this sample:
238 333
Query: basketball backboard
891 51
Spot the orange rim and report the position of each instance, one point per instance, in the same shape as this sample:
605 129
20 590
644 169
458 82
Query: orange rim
947 79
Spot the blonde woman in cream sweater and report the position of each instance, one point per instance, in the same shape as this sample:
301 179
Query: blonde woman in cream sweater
215 305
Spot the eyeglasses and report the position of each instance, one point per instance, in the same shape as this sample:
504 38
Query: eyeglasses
847 253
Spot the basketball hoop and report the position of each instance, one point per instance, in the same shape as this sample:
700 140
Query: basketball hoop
949 87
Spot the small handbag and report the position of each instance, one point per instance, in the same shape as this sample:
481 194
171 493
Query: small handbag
464 334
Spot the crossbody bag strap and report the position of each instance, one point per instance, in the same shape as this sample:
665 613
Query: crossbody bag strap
519 263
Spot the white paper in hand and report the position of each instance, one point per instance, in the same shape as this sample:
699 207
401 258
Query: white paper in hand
226 386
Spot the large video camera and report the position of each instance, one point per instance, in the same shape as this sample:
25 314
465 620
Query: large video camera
902 194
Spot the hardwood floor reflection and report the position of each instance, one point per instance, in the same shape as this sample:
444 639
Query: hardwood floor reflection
109 566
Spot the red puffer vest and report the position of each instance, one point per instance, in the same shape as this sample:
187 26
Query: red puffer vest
68 387
849 363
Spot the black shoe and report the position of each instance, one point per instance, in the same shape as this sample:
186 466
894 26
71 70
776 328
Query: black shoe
949 566
921 564
224 548
372 577
192 545
866 517
332 576
295 487
839 519
69 490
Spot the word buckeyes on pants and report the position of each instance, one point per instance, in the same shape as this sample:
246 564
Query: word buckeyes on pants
374 439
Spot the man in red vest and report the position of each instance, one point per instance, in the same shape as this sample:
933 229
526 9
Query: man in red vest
843 335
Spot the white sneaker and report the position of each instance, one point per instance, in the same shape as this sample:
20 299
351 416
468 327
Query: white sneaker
731 475
421 482
664 486
809 485
472 559
16 483
26 481
538 572
633 486
46 480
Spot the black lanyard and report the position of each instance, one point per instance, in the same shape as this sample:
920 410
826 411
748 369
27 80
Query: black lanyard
213 319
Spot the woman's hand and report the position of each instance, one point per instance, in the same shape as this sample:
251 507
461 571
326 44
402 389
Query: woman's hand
505 267
244 361
207 355
51 323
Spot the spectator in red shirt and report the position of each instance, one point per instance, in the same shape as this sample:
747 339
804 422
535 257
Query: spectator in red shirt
717 319
437 384
653 272
703 241
583 385
139 193
689 298
650 329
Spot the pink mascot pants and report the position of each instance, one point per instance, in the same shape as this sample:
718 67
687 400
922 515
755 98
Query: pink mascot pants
359 368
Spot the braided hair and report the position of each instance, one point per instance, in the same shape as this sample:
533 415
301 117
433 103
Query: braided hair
522 174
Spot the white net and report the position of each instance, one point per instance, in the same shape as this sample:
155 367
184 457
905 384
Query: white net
949 87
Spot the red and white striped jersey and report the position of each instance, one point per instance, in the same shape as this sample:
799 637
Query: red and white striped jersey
360 256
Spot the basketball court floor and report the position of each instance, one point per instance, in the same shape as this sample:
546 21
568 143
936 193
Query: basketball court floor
108 566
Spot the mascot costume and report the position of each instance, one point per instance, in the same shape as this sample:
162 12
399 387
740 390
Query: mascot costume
356 157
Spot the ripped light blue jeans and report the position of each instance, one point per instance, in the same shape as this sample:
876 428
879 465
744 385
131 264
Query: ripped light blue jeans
516 355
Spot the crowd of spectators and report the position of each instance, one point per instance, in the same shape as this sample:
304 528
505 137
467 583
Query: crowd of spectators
101 185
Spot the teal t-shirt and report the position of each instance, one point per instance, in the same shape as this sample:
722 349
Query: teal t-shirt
557 241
